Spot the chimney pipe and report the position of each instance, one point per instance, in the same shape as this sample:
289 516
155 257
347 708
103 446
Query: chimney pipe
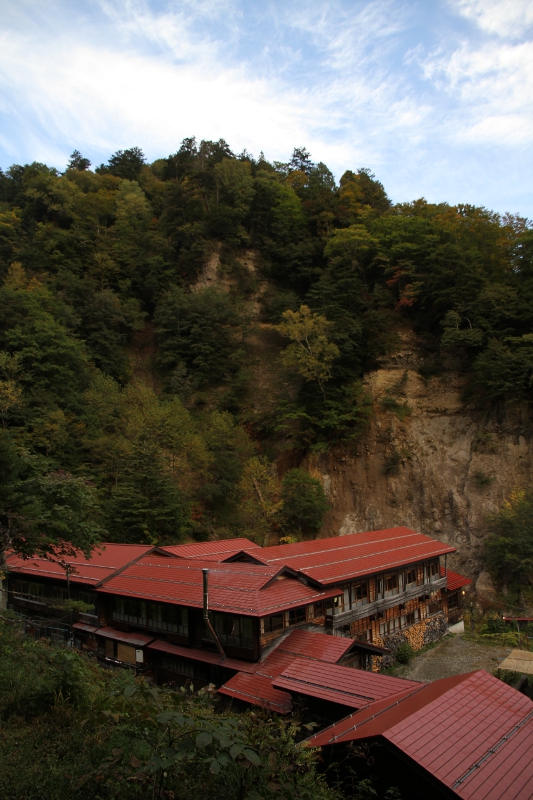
205 575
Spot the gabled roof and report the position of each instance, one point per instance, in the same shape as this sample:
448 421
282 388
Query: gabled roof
472 732
258 689
355 688
105 560
211 551
242 588
341 558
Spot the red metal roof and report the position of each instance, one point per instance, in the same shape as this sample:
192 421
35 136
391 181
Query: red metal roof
195 654
315 645
211 551
138 639
472 732
243 588
103 562
350 687
454 580
343 557
304 644
257 690
81 626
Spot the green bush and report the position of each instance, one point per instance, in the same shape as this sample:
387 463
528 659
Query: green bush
405 653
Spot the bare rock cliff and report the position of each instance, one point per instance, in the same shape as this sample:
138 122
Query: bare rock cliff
427 461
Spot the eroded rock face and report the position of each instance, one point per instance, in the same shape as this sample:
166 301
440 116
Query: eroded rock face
441 470
485 589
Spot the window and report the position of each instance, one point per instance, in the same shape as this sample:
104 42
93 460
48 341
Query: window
390 626
432 571
318 610
434 606
178 665
237 631
410 619
410 577
296 615
28 590
360 594
164 617
391 585
453 601
126 609
274 623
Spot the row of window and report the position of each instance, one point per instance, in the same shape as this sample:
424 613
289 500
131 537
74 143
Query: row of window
358 595
234 631
43 592
159 616
398 623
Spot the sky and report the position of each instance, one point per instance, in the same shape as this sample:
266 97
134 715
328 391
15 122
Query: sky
433 96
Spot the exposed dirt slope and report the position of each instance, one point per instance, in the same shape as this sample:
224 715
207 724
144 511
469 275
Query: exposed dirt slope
440 470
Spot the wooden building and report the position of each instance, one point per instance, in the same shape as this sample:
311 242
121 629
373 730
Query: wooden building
151 611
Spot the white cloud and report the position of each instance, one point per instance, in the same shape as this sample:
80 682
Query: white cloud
506 18
492 85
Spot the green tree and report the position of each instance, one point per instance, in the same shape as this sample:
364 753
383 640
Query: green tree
304 502
78 162
260 501
509 546
146 505
310 353
196 329
50 513
125 164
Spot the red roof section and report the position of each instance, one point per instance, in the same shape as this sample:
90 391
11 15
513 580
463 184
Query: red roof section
195 654
454 580
308 644
103 562
138 639
211 551
472 732
343 557
249 589
350 687
258 690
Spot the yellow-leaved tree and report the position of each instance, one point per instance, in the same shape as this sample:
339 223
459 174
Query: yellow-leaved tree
310 352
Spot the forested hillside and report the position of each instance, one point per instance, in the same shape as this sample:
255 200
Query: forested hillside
92 261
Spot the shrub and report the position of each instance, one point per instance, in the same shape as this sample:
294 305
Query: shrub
405 653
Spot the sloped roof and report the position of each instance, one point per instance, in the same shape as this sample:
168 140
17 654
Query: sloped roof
258 688
249 589
196 654
350 687
103 562
211 551
472 732
343 557
454 580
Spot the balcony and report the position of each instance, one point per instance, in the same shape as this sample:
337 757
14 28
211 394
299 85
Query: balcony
410 593
88 619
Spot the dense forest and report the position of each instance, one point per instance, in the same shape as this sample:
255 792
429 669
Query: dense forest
94 261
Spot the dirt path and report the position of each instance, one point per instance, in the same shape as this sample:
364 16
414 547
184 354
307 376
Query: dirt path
453 656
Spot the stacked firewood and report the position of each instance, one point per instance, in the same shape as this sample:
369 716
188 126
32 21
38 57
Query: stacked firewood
415 635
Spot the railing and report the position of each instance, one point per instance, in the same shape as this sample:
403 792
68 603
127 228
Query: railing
382 604
88 619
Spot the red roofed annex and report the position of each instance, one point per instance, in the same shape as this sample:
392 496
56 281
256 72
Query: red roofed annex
363 588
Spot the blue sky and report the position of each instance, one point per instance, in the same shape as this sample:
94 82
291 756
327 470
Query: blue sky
434 96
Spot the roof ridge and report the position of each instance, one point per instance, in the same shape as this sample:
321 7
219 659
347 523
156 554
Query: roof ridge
488 753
